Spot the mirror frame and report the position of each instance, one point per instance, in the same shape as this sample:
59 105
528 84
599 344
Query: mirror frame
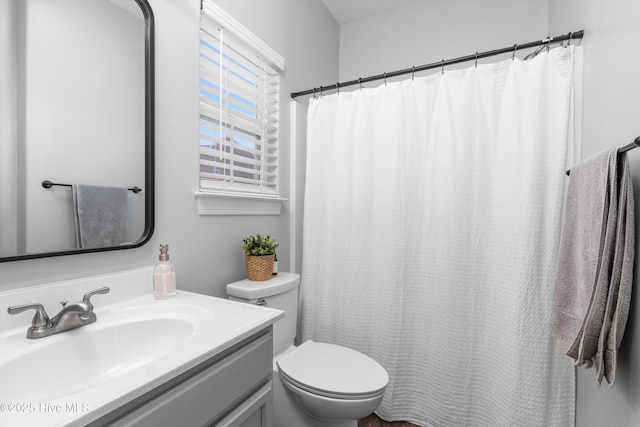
149 152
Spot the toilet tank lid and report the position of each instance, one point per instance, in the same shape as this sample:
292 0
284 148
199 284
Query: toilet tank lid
250 289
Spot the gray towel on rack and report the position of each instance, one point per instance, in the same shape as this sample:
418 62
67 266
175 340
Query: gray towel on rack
619 294
100 215
595 262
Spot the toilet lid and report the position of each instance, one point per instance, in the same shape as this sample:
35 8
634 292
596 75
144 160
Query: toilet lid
330 369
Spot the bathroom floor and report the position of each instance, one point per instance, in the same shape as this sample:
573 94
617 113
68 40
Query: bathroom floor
374 421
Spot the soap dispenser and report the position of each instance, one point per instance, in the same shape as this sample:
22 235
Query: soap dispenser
164 276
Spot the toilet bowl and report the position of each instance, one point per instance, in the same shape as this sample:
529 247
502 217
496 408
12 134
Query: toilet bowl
331 382
315 384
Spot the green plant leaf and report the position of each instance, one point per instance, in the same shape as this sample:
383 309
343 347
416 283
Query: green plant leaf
259 245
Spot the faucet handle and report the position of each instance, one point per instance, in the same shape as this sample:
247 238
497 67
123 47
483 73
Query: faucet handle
40 319
89 294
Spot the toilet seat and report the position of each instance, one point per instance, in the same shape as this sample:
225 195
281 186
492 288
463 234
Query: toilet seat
333 371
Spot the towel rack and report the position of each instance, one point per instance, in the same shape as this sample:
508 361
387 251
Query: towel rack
49 184
634 144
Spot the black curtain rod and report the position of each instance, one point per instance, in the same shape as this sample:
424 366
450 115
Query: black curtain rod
49 184
443 63
634 144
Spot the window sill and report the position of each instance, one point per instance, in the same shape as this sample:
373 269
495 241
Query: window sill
237 204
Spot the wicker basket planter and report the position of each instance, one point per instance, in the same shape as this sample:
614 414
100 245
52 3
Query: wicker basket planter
259 268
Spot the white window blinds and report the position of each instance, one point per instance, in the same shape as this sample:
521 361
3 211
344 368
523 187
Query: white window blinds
239 108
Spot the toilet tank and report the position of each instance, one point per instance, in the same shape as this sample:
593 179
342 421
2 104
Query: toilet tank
280 292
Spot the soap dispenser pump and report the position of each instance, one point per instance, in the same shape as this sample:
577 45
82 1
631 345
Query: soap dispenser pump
164 276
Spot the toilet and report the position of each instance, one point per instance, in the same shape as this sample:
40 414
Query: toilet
315 384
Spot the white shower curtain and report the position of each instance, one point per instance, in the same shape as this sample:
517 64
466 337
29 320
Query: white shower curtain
431 225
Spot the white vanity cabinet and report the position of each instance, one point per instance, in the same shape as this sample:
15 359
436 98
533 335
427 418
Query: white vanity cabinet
232 388
190 360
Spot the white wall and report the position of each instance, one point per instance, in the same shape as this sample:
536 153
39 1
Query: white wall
427 31
205 250
611 112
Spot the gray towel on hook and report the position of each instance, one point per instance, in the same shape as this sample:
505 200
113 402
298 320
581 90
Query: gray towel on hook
100 215
595 262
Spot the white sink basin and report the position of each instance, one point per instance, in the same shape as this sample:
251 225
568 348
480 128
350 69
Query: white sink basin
136 345
88 357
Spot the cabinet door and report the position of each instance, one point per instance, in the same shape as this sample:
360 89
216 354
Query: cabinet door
209 394
256 411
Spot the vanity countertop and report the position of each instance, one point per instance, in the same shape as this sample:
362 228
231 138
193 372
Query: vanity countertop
137 344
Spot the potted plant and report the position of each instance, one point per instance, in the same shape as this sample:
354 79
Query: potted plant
260 252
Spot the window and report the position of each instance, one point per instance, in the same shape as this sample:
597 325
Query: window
239 108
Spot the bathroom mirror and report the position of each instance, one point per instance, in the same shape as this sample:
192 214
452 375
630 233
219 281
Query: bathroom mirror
76 108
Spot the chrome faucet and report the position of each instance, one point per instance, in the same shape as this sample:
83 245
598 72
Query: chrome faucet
70 317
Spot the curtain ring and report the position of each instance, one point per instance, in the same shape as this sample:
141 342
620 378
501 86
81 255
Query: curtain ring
476 59
385 78
338 88
443 66
321 92
314 93
570 38
515 47
413 72
548 44
360 81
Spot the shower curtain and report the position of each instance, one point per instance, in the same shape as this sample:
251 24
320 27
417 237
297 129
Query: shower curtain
432 220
